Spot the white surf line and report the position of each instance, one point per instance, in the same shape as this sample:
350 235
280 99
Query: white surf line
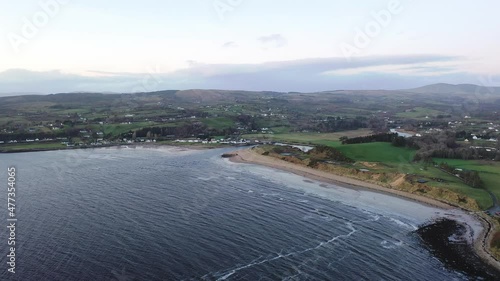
229 273
339 260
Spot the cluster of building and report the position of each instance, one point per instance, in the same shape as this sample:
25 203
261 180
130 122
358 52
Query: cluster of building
221 141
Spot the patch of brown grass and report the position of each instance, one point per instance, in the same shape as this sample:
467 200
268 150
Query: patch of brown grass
495 244
368 164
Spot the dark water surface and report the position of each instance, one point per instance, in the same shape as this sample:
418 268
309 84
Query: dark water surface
161 214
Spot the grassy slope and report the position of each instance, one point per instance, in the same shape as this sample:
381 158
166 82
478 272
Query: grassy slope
218 123
400 159
395 159
117 129
376 152
488 171
419 113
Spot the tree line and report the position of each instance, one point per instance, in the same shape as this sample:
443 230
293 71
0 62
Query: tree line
336 124
393 138
444 145
187 130
471 178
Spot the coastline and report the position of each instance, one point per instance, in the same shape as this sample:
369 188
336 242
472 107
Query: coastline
479 244
251 157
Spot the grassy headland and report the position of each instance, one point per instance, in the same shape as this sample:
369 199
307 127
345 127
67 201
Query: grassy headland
387 173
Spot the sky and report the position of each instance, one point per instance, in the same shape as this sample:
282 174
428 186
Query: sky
51 46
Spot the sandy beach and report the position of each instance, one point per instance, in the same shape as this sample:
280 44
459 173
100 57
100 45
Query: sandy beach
249 156
480 240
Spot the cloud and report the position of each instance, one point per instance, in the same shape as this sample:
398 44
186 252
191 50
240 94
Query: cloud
306 75
316 66
229 44
273 41
21 80
406 69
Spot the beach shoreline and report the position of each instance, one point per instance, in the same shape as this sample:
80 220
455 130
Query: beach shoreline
479 244
251 157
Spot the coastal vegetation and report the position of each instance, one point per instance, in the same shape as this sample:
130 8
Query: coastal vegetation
383 157
495 241
373 172
386 137
469 177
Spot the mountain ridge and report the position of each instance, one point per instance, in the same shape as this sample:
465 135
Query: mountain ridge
201 94
444 88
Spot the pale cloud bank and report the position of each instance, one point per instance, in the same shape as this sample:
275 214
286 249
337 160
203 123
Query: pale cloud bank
306 75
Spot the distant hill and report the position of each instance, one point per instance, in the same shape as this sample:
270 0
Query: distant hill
12 94
468 89
63 97
213 96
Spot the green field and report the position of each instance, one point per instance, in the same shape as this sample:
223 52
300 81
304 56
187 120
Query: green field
32 146
396 159
218 123
488 171
117 129
419 113
306 138
377 152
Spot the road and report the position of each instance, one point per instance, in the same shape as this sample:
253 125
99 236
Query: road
496 207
